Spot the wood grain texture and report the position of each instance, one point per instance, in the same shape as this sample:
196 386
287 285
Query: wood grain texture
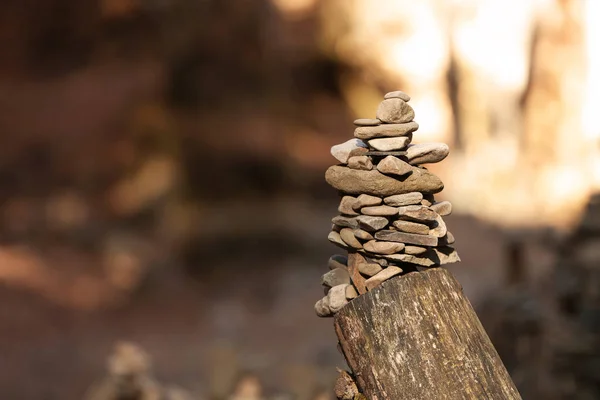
417 337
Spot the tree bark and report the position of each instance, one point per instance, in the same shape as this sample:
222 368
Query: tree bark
417 337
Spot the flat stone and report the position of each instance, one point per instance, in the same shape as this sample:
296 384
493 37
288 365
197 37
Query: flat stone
348 237
395 111
428 199
336 239
385 130
337 298
342 151
369 269
367 122
443 208
345 222
407 258
448 239
386 153
360 162
410 238
439 228
446 255
414 250
411 227
416 213
362 235
360 151
426 153
382 276
370 223
337 261
379 211
378 247
394 166
322 308
397 94
354 181
347 206
381 261
406 199
391 144
338 276
354 260
364 200
351 292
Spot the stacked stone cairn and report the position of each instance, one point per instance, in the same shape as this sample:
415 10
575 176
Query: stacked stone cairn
390 223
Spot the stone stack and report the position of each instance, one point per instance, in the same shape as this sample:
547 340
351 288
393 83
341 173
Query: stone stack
389 221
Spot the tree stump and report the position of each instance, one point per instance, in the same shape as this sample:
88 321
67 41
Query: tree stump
417 336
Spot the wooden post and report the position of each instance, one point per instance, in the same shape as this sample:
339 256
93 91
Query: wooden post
416 337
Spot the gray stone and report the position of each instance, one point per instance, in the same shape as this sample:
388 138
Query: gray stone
382 276
336 239
369 269
397 94
414 250
394 166
337 298
446 255
348 237
439 229
377 247
342 151
443 208
411 227
351 292
416 213
410 238
354 181
345 222
360 162
385 130
362 235
406 199
338 276
395 111
322 308
337 261
364 200
426 153
379 211
347 206
391 144
371 224
367 122
407 258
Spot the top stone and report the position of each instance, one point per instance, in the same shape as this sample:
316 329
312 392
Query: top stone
366 122
395 111
398 94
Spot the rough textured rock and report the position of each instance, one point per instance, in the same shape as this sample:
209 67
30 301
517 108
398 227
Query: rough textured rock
370 223
354 260
322 308
347 206
345 387
345 222
381 261
364 200
426 153
397 153
406 199
337 298
416 213
369 269
353 181
359 151
379 211
402 237
424 260
351 292
395 111
362 235
397 94
336 239
378 247
443 208
391 144
393 166
411 227
439 229
360 162
342 151
337 261
337 276
348 237
414 250
386 130
382 276
367 122
446 255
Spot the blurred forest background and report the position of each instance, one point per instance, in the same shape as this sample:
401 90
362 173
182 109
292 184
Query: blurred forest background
162 196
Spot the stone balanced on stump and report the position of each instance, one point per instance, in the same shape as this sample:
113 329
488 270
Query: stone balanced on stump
389 222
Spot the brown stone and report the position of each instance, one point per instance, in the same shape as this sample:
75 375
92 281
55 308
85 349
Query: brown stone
348 237
367 122
342 151
364 200
446 255
382 276
345 222
378 247
423 261
369 269
351 292
448 239
411 227
354 181
379 211
354 260
395 111
362 235
322 308
381 261
393 166
397 94
360 162
337 261
414 250
385 130
391 144
410 238
337 276
405 199
397 153
426 153
337 297
346 206
443 208
439 228
370 223
336 239
359 151
416 213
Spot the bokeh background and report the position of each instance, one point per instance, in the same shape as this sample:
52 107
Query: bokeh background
163 210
